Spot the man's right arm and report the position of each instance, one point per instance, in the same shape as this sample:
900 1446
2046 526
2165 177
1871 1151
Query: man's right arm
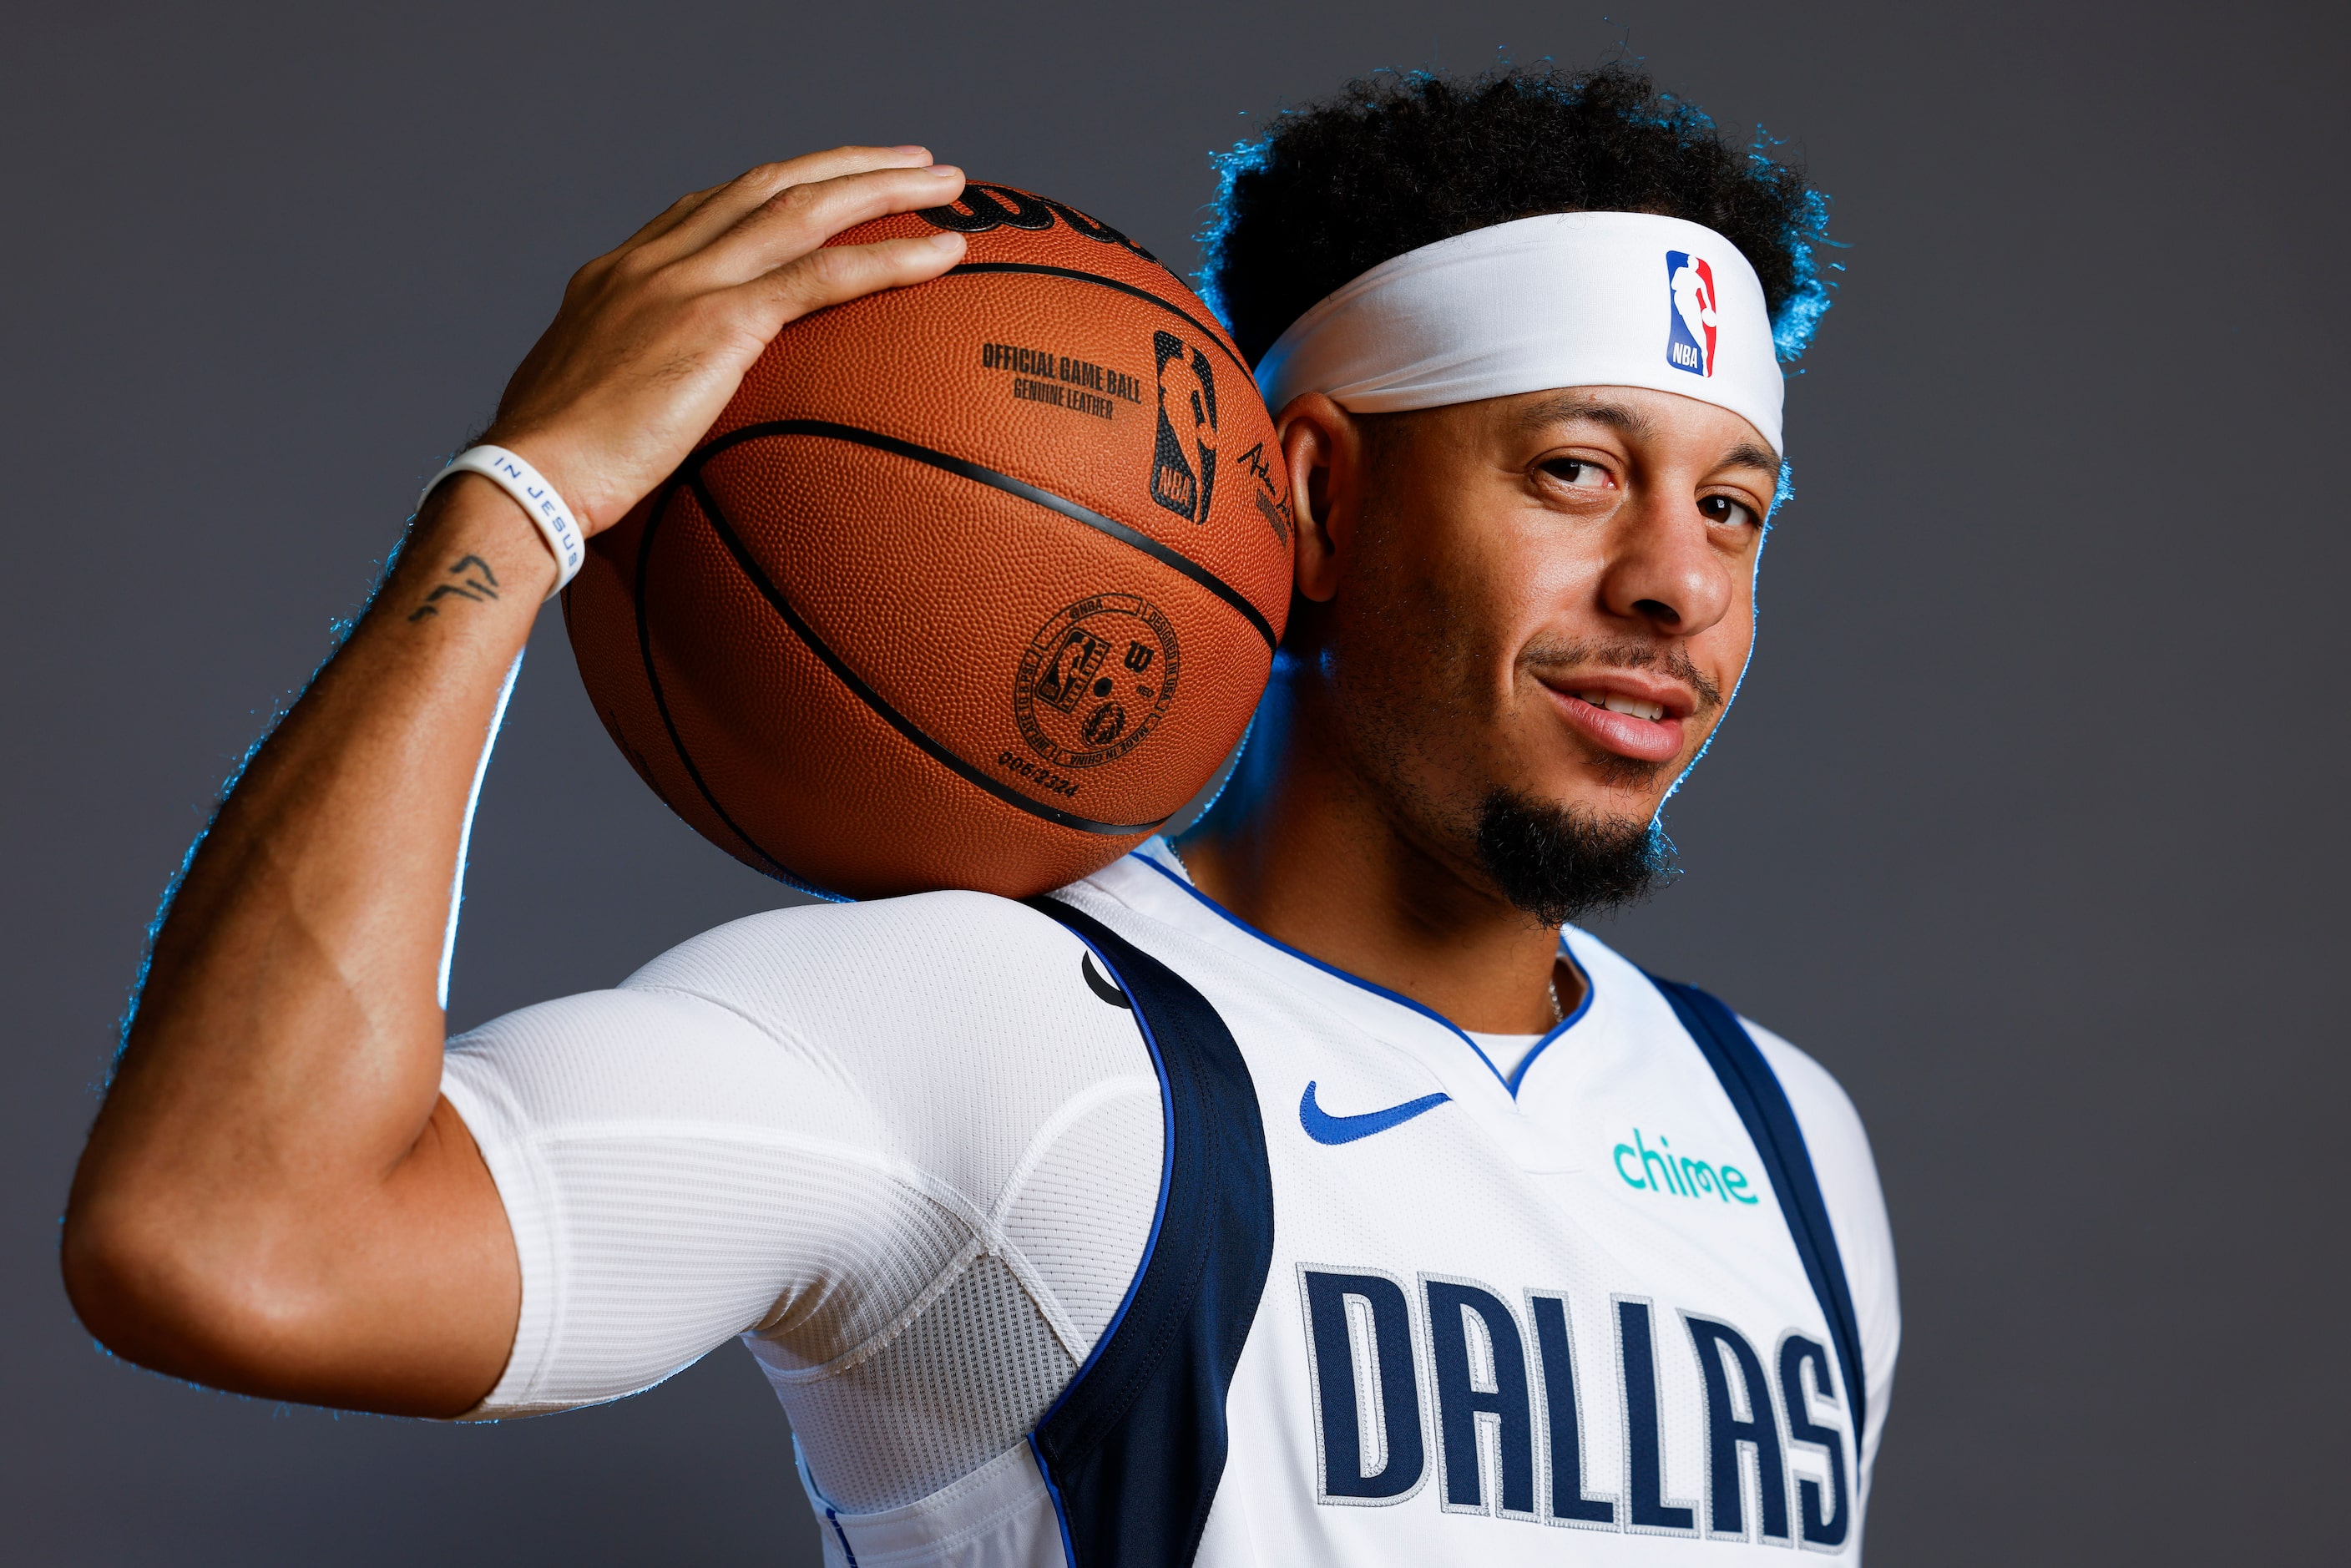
276 1199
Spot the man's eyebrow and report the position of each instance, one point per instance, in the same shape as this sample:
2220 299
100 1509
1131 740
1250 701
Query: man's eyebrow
1564 407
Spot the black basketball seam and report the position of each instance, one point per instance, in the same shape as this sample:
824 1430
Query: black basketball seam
873 699
661 704
1139 293
963 468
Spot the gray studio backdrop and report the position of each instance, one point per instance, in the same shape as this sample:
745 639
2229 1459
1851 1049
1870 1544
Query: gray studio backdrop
2026 824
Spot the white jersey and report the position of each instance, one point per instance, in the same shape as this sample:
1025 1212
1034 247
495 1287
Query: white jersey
918 1154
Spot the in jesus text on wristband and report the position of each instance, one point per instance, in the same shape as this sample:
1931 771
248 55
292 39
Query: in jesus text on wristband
537 498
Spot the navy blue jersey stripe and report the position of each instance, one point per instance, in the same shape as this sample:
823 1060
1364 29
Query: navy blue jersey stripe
1754 1089
1135 1447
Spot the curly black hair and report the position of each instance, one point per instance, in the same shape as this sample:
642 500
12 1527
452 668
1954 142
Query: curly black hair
1396 161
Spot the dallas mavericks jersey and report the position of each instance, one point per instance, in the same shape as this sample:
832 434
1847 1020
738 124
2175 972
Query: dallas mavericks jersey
1398 1307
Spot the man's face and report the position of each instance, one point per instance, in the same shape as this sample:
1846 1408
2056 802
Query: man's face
1545 599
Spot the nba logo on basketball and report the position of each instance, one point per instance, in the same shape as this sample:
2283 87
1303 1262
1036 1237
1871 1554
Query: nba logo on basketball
1690 345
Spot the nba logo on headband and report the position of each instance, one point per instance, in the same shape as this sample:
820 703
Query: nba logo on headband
1559 299
1689 342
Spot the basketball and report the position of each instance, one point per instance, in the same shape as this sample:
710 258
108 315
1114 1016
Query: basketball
974 584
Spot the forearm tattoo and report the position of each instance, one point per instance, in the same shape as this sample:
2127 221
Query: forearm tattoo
477 583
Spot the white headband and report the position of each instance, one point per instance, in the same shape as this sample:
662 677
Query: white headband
1567 299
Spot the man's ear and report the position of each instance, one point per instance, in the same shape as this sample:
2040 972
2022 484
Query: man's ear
1323 446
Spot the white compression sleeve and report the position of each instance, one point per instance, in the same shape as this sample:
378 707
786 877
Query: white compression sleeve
901 1144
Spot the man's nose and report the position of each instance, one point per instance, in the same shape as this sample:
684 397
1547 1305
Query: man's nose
1665 570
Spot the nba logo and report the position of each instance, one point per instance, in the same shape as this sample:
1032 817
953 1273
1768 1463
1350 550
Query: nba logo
1690 345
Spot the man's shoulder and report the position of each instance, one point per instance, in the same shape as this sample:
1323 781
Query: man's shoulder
1824 1111
1820 1101
955 929
1847 1173
942 985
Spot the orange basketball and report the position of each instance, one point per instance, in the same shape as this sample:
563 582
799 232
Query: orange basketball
972 585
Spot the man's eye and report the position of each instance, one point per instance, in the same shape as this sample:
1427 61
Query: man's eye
1722 509
1576 473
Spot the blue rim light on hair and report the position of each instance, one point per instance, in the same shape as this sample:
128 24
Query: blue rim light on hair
1243 157
1793 324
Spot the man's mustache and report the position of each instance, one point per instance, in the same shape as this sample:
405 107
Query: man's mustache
1558 662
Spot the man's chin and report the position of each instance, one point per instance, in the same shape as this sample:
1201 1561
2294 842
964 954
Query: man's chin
1561 863
1626 775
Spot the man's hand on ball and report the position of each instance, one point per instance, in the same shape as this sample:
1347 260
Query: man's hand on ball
653 338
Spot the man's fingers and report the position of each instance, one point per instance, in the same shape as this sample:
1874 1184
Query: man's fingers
723 206
668 218
638 246
798 220
838 273
644 351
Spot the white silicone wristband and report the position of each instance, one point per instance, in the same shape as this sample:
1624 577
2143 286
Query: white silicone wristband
530 489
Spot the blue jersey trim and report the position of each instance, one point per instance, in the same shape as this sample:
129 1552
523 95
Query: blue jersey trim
1519 1074
1510 1082
1754 1091
1158 1213
1134 1449
833 1519
1060 1513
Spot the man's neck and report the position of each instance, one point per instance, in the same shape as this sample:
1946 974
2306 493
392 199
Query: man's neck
1304 850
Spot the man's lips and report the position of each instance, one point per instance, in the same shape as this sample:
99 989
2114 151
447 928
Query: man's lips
1595 705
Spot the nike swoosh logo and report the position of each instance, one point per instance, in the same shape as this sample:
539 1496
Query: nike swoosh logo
1324 1128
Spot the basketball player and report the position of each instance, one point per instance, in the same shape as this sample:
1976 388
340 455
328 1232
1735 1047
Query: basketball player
1301 1192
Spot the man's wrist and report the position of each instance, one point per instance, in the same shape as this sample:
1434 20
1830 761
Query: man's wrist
473 541
532 492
